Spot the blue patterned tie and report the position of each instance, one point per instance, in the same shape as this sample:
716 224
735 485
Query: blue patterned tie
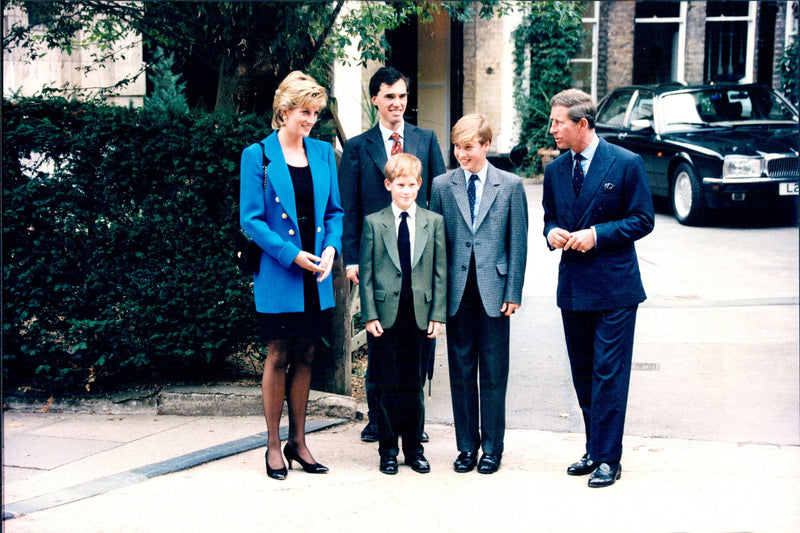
404 248
577 174
471 195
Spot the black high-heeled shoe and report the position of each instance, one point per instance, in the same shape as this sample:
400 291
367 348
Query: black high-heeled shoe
279 473
292 455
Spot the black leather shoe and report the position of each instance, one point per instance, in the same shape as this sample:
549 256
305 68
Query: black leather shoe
388 464
418 463
465 462
424 437
489 463
605 474
370 433
583 467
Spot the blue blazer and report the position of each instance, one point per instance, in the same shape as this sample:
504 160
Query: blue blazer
615 199
269 216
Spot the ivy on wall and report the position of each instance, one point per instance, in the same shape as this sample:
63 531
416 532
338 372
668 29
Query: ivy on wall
549 36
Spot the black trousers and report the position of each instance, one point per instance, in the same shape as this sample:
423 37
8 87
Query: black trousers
600 349
398 362
477 345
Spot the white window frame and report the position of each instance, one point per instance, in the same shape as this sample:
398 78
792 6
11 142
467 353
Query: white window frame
679 57
750 47
791 24
594 20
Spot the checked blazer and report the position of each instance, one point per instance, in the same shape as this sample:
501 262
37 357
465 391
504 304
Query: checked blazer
500 241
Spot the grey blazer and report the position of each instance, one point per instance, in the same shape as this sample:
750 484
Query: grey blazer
500 241
380 274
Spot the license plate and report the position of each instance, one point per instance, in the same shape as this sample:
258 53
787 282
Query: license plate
789 189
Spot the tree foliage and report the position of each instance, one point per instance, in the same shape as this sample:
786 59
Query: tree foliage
117 242
549 36
167 97
243 48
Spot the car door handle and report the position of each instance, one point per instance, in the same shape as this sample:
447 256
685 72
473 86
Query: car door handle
622 134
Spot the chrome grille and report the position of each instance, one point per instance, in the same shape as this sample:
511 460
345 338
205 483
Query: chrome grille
782 167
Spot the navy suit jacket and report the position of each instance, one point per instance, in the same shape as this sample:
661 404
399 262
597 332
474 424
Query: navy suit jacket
615 199
361 178
269 216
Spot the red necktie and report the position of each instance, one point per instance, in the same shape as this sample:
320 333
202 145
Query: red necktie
397 148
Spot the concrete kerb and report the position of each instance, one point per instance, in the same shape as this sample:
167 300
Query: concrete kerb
188 400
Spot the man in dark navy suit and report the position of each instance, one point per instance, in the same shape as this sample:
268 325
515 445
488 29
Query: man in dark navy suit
596 202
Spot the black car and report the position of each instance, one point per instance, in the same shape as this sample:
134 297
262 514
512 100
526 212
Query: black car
708 147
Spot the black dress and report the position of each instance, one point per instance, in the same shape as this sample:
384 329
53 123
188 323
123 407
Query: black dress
311 322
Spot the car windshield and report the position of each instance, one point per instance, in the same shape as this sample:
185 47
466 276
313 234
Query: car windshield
724 105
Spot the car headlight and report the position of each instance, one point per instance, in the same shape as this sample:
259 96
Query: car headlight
742 167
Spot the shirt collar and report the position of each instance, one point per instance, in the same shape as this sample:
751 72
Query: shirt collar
412 211
588 152
386 132
481 173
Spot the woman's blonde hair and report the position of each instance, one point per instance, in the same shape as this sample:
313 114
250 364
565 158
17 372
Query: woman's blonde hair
469 127
296 90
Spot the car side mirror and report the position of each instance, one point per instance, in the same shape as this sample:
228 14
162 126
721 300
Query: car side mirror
642 124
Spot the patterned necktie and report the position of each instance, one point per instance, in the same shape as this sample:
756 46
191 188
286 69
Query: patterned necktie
577 174
397 148
471 195
404 248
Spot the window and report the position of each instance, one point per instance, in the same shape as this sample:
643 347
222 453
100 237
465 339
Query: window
613 111
584 67
730 34
659 42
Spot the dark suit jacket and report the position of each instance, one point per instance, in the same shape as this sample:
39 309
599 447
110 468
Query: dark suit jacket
500 241
380 274
615 199
361 178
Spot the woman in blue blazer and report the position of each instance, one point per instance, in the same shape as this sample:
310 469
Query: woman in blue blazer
289 205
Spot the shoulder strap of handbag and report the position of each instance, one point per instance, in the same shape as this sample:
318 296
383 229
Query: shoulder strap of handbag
264 163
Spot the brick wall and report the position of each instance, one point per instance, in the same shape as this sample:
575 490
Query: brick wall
483 71
694 58
619 22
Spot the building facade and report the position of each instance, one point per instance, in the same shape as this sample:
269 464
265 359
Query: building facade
459 68
468 68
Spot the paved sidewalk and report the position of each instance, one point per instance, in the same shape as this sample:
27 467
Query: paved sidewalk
667 484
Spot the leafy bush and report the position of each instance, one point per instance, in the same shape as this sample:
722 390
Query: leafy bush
549 35
117 231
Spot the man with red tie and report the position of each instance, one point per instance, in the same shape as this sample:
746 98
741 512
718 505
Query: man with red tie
361 178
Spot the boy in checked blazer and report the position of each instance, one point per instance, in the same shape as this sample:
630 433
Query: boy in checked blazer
403 287
486 221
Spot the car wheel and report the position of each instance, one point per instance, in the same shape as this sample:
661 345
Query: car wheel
686 194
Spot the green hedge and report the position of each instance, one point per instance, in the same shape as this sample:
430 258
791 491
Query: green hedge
117 231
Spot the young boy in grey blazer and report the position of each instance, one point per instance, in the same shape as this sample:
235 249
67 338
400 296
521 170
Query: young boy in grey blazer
403 287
